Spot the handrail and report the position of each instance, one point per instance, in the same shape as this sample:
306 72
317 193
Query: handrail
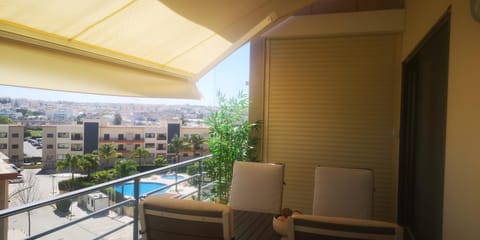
136 178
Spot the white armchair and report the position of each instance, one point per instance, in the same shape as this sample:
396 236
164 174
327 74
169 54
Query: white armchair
343 192
176 219
257 187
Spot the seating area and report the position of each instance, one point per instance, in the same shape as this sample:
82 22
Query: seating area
342 209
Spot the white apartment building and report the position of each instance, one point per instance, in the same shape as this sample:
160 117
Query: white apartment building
186 132
11 142
89 136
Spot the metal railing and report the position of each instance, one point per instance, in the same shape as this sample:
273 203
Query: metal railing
200 184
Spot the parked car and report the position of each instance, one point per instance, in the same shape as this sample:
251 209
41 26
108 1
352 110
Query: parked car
15 167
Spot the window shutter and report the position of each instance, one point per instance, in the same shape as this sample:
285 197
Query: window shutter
330 101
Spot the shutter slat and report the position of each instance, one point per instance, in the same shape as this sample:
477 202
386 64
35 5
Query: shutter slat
330 102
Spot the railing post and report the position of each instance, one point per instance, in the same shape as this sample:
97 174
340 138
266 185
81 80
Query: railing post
176 179
200 181
136 194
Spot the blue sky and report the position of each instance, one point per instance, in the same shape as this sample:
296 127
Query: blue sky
229 77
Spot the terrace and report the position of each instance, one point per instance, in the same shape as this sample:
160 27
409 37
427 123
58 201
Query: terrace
320 103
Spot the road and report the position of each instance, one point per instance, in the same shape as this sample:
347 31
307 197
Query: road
45 217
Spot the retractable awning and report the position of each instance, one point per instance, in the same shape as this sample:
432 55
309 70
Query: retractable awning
145 48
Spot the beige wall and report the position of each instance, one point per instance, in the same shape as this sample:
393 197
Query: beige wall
462 197
15 155
420 16
49 156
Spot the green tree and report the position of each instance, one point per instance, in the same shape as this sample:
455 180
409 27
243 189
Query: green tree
196 142
125 168
140 153
107 152
89 163
70 162
5 119
177 145
228 141
160 161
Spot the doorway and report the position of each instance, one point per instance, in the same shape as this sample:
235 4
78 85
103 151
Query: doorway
422 135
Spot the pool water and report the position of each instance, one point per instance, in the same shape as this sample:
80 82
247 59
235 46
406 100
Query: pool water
172 177
145 187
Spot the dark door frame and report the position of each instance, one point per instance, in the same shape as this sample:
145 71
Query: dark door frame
408 131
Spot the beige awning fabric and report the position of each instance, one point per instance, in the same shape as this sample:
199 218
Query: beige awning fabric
142 48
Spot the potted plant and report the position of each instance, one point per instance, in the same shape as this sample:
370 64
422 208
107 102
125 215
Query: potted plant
229 141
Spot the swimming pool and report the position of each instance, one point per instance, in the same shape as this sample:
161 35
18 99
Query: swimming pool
145 187
172 177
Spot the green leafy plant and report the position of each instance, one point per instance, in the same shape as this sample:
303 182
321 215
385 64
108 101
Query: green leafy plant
125 168
64 205
140 153
229 141
71 162
177 145
160 161
106 152
89 163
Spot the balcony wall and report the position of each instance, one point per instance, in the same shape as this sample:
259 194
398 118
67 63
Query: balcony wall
461 206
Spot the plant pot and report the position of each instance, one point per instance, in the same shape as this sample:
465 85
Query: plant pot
280 225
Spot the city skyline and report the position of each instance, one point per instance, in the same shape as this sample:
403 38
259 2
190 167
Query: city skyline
229 77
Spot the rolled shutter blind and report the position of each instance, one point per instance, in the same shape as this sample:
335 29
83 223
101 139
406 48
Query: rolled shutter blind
329 101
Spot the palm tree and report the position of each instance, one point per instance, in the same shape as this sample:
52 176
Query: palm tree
125 168
140 153
70 162
196 141
160 161
176 145
89 162
107 152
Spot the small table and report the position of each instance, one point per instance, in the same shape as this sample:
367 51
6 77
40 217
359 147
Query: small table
253 226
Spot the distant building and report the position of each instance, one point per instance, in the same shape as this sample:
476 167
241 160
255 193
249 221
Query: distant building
187 132
11 113
60 116
58 140
11 142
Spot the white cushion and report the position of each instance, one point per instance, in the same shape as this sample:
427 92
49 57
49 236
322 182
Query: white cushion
343 192
257 187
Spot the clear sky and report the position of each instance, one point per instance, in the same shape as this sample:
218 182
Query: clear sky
229 77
